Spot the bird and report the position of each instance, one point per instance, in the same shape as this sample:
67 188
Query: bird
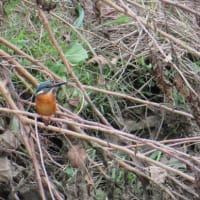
45 101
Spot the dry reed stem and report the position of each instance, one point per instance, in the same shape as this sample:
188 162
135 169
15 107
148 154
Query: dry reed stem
126 150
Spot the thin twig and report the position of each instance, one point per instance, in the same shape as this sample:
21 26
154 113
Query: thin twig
138 100
42 160
180 5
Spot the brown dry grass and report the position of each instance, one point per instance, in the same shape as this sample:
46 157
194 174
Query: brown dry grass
137 133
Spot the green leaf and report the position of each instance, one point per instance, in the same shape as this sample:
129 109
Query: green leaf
131 178
79 21
113 173
178 98
156 155
122 20
57 68
23 38
100 194
149 67
76 54
9 7
69 171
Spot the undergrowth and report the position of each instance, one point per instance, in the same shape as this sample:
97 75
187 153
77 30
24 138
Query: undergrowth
127 124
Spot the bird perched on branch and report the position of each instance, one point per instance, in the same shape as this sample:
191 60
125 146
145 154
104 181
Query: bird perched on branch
45 101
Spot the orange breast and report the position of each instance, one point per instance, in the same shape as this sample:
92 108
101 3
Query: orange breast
45 104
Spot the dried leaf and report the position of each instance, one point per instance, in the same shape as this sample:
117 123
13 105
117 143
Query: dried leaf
114 60
77 156
100 60
180 86
9 139
148 122
5 170
101 81
157 174
5 176
168 58
162 83
103 10
46 5
75 101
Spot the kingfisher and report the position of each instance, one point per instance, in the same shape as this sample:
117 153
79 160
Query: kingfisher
45 101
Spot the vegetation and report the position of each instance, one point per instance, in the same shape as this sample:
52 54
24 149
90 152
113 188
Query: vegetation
127 124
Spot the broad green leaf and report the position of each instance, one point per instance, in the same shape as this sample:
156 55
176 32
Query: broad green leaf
76 54
57 68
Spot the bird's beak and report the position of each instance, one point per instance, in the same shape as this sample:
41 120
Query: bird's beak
56 84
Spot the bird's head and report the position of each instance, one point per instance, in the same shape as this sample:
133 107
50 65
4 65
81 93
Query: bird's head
47 87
